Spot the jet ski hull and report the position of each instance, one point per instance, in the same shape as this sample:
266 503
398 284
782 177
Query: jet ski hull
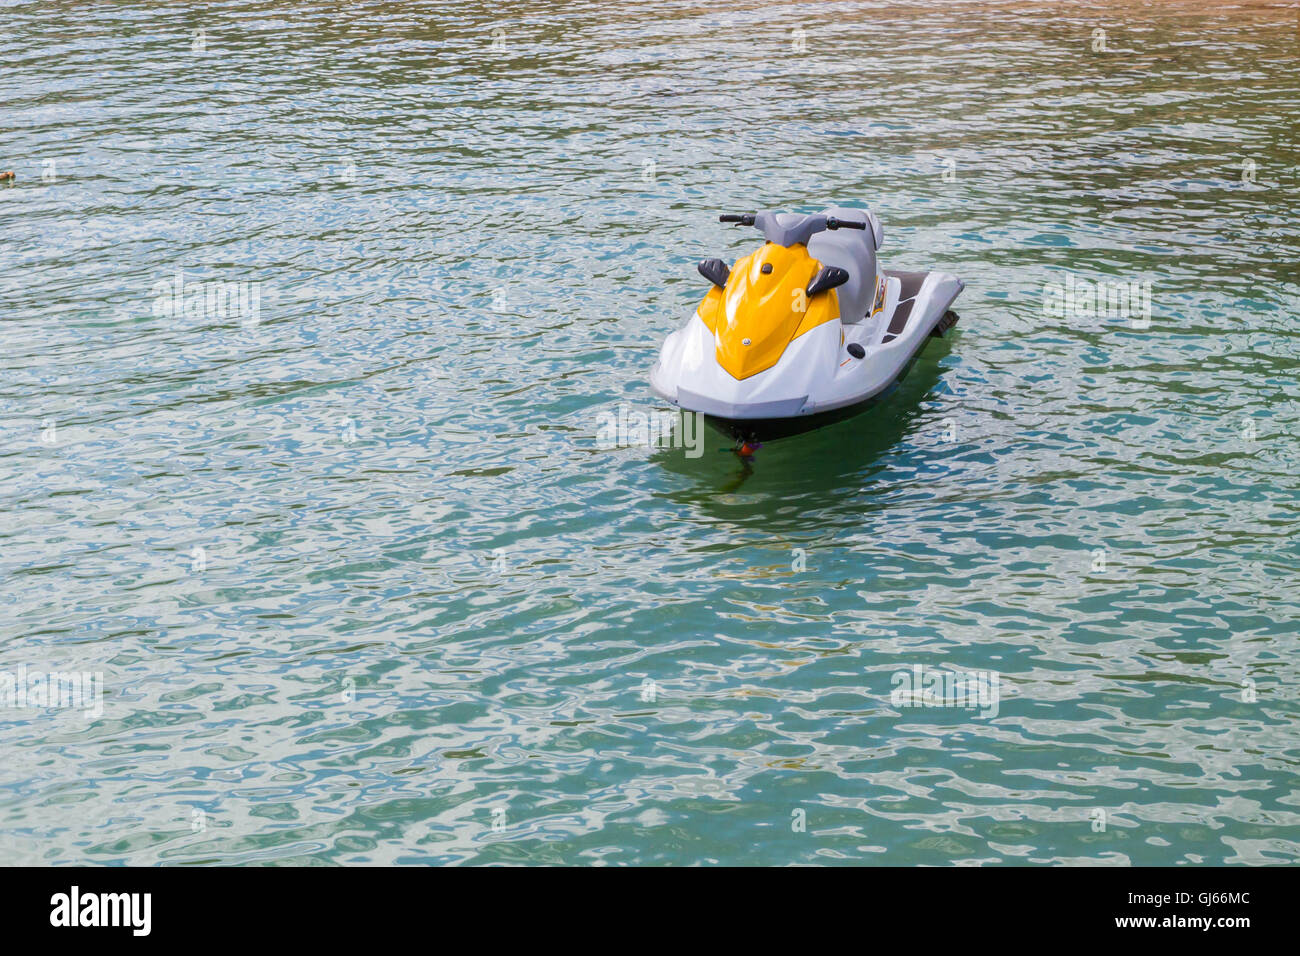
772 429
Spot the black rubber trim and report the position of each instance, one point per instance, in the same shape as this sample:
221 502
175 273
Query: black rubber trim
902 312
911 281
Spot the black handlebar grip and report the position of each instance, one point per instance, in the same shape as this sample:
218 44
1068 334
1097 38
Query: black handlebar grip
833 223
745 220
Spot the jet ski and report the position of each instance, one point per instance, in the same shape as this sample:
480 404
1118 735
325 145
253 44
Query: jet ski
804 331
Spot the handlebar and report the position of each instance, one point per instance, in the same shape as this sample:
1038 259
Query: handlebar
747 219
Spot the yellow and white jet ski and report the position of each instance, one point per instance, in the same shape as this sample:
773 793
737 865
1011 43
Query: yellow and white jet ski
805 330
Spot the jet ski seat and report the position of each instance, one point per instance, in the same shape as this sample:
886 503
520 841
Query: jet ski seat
854 251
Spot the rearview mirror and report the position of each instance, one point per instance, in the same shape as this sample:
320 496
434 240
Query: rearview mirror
716 271
828 278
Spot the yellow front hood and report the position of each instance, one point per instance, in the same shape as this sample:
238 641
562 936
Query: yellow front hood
758 314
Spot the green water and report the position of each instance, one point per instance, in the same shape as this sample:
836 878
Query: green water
362 584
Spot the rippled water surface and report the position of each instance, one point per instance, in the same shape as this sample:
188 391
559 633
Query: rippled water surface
365 587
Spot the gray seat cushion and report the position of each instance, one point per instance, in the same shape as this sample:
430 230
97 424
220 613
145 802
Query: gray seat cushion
854 251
